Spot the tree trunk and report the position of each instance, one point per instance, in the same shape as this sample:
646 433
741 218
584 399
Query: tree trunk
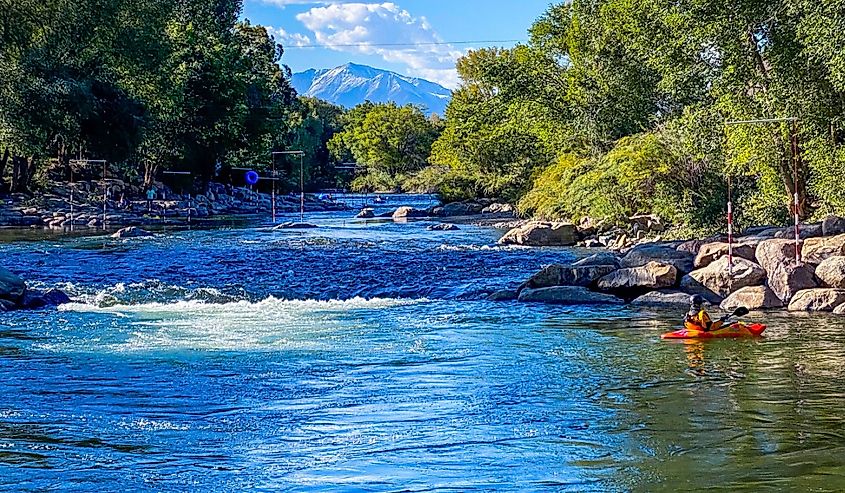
150 172
3 161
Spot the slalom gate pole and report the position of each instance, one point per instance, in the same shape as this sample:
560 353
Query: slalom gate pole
796 203
730 232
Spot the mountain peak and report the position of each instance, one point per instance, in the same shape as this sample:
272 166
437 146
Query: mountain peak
351 84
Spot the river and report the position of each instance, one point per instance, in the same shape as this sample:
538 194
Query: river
362 356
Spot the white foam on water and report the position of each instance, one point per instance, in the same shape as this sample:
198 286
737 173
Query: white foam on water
269 324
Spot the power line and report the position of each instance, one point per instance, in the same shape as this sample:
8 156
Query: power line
434 43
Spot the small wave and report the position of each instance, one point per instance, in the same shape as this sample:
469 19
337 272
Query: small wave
481 248
266 306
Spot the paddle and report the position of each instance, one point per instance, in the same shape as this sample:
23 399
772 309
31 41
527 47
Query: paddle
739 312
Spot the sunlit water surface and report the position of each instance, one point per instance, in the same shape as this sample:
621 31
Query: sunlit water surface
362 356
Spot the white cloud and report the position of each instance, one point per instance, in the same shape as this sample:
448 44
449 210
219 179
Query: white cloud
385 30
288 39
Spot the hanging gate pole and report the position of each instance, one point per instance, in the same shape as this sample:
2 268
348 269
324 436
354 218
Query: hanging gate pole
796 202
730 232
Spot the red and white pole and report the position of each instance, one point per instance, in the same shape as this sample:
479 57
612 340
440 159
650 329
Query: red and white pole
797 228
730 232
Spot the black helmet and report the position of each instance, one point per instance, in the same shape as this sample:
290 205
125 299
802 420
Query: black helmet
696 300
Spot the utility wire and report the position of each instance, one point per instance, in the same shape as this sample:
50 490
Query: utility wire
436 43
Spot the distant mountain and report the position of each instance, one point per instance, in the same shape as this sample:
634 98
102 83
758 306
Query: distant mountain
352 84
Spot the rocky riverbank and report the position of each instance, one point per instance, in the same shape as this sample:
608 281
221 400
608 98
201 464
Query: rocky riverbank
81 205
766 272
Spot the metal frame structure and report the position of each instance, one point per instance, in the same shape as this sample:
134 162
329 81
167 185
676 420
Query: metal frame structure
301 155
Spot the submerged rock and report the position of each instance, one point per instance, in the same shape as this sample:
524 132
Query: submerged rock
503 295
566 295
294 225
12 287
537 233
753 298
367 213
442 227
131 232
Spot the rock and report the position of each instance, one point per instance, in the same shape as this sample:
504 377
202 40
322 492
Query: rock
791 277
833 225
712 251
817 300
442 227
640 255
541 234
692 246
653 275
498 208
648 222
585 276
717 279
503 295
817 249
32 300
568 275
408 213
7 306
831 272
771 253
805 231
567 295
604 258
12 287
366 213
753 298
55 297
459 209
668 299
294 225
131 232
839 310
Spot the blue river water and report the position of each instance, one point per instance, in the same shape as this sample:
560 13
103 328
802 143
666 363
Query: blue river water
362 356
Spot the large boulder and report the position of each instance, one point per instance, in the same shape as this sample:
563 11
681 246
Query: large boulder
567 295
498 208
640 255
712 251
568 275
366 213
753 298
663 299
833 225
12 287
791 277
603 258
541 234
653 275
817 249
804 231
131 232
831 272
717 279
771 253
408 213
817 300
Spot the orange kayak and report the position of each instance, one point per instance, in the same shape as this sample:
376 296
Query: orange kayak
738 329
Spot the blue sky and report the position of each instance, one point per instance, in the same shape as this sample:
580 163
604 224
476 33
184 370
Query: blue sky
298 24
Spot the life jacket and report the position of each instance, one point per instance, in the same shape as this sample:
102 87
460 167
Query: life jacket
699 321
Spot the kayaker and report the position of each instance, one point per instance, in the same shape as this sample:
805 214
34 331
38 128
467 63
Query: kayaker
697 317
